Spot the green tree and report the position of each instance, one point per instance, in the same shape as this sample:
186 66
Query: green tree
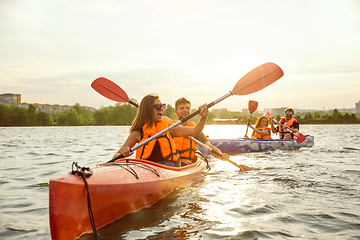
73 118
43 119
19 117
78 109
317 115
346 117
86 114
353 118
336 115
170 112
4 115
100 117
308 116
129 114
61 119
31 114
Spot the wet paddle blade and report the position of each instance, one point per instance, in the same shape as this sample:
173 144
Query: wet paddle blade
253 106
299 137
109 89
258 78
244 168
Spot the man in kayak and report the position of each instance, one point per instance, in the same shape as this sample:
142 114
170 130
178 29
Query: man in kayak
289 122
186 146
149 121
261 129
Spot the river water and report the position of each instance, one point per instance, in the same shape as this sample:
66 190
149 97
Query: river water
311 193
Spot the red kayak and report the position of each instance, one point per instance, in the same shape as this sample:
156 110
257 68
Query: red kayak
115 189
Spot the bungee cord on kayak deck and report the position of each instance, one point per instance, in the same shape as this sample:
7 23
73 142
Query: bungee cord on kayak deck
85 172
127 166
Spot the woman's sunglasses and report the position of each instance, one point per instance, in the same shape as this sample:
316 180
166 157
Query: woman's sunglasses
290 113
158 107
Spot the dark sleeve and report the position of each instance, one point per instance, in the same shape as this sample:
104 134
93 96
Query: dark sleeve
202 138
296 125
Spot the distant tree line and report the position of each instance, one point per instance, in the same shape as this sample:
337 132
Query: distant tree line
124 114
15 116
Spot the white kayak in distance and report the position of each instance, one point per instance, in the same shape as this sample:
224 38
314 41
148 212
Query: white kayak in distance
246 145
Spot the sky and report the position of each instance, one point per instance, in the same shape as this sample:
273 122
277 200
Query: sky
52 50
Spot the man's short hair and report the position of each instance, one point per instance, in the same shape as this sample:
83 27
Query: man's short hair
181 101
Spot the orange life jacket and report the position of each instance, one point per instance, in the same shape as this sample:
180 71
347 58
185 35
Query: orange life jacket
289 124
186 146
258 136
166 141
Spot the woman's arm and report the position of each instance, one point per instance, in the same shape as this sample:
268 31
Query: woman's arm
133 138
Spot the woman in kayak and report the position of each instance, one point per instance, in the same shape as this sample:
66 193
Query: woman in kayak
149 120
261 129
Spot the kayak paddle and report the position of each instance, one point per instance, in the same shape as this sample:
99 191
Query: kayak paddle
252 108
298 136
255 80
242 167
119 95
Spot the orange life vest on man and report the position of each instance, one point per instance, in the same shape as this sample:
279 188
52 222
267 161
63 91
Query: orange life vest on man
166 141
258 136
289 124
186 146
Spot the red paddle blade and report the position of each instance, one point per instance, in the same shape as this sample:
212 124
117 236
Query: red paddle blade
257 79
267 114
244 168
253 106
299 137
109 90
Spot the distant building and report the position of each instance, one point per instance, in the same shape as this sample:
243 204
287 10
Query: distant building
357 107
15 100
10 98
275 111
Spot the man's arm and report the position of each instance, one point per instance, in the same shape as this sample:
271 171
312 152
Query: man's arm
273 128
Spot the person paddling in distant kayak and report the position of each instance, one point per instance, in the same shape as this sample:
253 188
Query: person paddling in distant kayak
149 120
186 146
289 122
261 129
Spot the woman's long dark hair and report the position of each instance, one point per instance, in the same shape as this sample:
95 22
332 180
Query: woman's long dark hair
145 113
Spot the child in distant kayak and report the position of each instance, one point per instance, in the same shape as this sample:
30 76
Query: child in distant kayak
261 129
149 121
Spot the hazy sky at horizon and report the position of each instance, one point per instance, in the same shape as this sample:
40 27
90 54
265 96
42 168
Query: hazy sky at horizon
52 50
